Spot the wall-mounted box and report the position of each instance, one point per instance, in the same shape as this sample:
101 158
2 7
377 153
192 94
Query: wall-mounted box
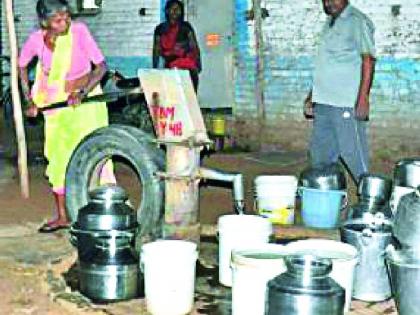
88 7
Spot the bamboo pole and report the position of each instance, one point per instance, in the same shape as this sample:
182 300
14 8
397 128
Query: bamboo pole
17 108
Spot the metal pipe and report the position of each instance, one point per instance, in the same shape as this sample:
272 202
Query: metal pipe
235 178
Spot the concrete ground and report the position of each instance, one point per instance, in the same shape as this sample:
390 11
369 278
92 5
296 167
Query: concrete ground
37 274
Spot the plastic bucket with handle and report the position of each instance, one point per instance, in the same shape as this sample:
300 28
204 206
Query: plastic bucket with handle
169 276
252 269
275 197
239 232
321 208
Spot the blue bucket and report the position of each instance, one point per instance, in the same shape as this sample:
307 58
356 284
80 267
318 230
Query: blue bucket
321 208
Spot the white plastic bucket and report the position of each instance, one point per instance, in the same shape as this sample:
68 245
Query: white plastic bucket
239 232
344 258
252 269
275 197
169 276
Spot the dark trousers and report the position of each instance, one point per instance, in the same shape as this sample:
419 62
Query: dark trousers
338 134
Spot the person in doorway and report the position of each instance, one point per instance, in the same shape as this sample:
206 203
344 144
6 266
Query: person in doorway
65 52
175 41
339 99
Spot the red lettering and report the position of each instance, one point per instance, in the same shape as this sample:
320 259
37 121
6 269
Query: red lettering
176 128
180 128
165 112
162 128
171 112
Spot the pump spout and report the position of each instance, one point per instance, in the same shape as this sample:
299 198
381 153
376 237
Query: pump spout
237 181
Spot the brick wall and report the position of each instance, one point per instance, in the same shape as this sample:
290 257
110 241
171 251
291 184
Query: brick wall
290 36
245 58
124 36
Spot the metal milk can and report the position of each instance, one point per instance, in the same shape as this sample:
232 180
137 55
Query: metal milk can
370 235
305 289
407 221
404 272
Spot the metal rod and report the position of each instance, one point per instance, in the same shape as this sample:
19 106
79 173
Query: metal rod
107 97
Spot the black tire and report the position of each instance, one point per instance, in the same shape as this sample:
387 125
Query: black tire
109 142
147 139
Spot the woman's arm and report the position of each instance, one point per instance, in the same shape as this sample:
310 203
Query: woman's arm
27 53
94 79
32 110
24 82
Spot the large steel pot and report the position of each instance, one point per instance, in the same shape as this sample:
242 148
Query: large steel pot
376 188
110 278
371 239
404 271
109 282
407 220
109 271
107 210
407 172
305 289
328 177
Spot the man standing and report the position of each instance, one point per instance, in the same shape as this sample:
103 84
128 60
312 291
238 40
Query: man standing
339 99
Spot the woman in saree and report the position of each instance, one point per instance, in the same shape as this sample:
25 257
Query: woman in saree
69 68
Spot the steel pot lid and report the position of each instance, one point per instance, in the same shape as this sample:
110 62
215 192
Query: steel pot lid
107 210
326 177
108 193
407 172
375 186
